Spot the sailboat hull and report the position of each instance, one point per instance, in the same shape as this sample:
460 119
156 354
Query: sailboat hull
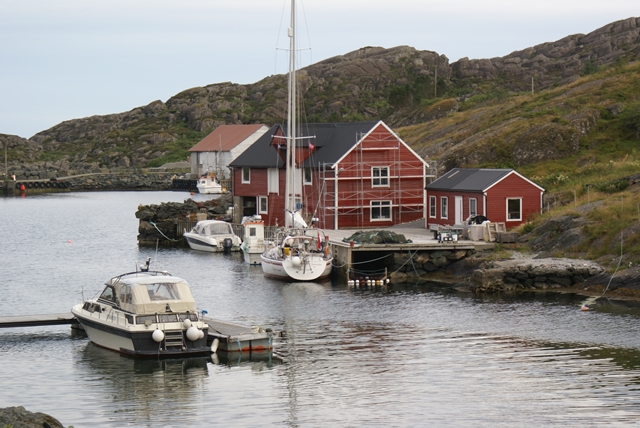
286 269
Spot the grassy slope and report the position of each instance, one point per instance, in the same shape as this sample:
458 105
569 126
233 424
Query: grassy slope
609 151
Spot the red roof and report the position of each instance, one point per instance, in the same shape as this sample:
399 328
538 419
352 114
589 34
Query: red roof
225 138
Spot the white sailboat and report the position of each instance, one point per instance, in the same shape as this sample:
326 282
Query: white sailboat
299 253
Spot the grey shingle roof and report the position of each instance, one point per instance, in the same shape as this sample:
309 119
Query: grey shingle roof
468 179
332 141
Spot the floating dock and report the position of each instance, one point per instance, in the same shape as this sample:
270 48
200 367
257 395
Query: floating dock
240 338
38 320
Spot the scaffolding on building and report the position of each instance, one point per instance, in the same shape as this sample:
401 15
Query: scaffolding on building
406 200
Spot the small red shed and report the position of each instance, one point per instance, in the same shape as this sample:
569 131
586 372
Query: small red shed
501 195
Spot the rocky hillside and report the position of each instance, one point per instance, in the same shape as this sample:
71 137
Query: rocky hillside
403 86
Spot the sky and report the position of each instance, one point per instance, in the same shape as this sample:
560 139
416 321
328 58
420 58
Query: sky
68 59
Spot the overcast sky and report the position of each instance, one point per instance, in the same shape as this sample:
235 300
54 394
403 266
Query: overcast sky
67 59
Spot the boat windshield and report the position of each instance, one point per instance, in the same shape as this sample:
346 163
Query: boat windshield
217 229
163 291
108 294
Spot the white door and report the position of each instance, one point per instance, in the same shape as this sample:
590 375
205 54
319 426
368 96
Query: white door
459 219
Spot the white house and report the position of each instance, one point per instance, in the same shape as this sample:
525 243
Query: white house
216 151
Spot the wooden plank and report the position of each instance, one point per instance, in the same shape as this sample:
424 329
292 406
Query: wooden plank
37 320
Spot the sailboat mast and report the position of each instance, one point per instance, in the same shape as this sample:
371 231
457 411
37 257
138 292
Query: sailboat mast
290 187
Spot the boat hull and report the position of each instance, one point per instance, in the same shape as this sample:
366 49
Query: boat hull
210 245
285 269
209 190
253 258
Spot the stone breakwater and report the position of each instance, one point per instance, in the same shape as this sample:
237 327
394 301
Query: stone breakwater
121 181
532 274
159 223
419 267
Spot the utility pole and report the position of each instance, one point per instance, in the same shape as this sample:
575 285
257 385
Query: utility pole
532 84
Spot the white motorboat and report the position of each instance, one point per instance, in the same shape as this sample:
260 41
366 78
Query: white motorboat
253 244
145 314
209 184
214 236
300 253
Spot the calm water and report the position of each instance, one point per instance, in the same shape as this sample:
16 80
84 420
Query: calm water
405 357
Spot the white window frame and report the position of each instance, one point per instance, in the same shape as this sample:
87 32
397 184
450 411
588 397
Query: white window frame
433 207
473 211
379 180
309 181
444 207
246 180
379 206
519 213
262 199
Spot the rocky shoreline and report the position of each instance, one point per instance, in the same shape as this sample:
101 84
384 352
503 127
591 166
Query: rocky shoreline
19 417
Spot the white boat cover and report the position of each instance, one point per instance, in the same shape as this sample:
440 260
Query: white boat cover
151 294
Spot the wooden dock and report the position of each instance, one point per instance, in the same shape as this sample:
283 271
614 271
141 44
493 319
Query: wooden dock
37 320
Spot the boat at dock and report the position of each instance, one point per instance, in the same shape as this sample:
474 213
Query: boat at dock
253 244
214 236
145 314
209 184
299 253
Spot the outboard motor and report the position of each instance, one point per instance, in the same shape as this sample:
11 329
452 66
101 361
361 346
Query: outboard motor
227 244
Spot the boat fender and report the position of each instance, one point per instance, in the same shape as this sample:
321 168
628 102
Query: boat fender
186 323
157 335
193 333
295 261
214 345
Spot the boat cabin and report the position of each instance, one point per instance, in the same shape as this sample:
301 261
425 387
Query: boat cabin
147 295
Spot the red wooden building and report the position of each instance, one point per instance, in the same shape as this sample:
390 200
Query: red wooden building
351 175
501 195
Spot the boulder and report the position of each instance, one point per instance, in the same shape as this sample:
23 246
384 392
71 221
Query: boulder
19 417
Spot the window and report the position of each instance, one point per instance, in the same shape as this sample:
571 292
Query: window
253 231
432 206
444 207
514 209
273 180
380 176
262 205
163 291
473 207
246 174
307 176
108 294
380 210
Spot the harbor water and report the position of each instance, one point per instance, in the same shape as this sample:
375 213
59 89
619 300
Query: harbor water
406 356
